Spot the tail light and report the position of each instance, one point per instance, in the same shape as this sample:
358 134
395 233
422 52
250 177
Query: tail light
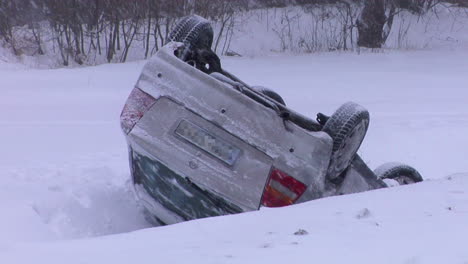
137 104
282 190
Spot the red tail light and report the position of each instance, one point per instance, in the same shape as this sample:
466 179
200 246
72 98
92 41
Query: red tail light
282 190
137 104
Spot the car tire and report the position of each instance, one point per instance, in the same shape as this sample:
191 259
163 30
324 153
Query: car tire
195 32
270 94
347 127
401 173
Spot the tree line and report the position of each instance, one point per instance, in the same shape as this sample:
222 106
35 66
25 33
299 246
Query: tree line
80 29
77 27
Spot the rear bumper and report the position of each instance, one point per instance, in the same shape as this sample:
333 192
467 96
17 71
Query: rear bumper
170 197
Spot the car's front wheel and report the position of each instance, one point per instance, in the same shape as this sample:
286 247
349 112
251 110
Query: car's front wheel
397 174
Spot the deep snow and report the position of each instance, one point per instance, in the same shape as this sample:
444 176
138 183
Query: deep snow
425 223
64 171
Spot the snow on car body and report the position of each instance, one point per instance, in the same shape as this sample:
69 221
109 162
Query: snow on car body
199 147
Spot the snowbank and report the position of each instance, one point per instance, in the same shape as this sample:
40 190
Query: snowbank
423 223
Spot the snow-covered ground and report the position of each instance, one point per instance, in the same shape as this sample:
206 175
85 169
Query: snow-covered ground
64 172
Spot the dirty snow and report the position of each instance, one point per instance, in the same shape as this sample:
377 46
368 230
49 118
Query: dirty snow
64 172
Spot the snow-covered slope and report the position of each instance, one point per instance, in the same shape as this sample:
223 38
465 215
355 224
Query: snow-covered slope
64 171
425 223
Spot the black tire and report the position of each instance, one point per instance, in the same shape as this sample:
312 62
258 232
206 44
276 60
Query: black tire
195 32
402 173
270 93
347 127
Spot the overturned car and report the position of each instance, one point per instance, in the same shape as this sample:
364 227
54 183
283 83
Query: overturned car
204 143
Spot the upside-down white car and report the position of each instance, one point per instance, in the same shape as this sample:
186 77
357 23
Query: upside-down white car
203 143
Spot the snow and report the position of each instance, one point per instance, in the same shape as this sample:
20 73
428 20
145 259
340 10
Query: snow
64 167
424 223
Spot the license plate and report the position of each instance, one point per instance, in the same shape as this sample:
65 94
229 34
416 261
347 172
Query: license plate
213 145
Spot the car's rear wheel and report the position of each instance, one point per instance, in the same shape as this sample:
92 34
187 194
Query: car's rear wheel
195 33
399 173
347 127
